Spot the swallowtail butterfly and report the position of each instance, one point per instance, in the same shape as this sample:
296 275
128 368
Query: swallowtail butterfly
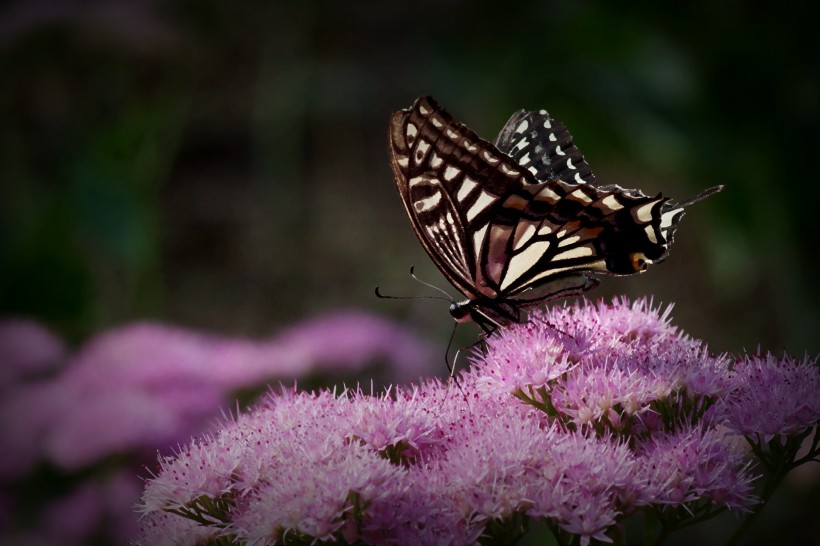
522 221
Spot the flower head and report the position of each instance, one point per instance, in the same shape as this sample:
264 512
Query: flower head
774 397
579 417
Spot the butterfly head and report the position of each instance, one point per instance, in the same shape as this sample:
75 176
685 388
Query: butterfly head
627 264
461 311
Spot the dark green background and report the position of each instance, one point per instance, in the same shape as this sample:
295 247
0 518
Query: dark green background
223 165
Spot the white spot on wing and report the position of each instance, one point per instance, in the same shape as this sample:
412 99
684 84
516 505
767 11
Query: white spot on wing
450 172
403 161
427 203
489 157
547 124
579 179
483 201
669 217
552 137
549 194
466 187
644 212
578 252
507 170
524 236
452 134
559 151
424 111
421 149
436 122
581 196
545 230
650 234
524 159
611 203
523 262
522 126
569 240
569 163
478 239
435 160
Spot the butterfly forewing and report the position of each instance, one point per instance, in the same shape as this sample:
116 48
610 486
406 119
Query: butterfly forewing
522 222
451 182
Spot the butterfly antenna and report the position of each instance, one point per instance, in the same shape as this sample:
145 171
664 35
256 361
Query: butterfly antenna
434 287
383 296
702 195
447 297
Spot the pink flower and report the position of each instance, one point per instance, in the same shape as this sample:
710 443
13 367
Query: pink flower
774 397
695 463
26 349
579 417
142 387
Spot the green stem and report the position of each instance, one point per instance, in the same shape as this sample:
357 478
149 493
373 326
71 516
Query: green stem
781 461
650 526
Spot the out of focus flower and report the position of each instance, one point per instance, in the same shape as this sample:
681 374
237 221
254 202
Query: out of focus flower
142 387
27 349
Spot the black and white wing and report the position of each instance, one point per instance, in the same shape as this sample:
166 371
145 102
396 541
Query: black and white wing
503 235
543 146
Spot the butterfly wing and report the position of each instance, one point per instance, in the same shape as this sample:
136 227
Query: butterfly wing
543 146
518 227
449 179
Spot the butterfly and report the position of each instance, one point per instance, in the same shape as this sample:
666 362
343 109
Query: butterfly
522 221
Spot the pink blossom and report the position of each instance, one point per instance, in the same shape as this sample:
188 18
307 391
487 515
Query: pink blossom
528 356
695 463
774 397
144 386
610 390
27 348
135 389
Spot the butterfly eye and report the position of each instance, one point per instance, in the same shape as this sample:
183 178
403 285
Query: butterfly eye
639 262
460 312
627 264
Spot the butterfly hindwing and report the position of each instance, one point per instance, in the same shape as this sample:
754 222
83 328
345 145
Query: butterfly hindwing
543 146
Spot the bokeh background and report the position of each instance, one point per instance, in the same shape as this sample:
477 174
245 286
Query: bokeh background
222 165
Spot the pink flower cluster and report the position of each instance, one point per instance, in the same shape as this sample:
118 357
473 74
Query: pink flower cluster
143 387
577 418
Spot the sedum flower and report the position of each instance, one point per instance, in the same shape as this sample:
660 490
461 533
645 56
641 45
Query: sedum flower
774 397
580 417
26 350
74 418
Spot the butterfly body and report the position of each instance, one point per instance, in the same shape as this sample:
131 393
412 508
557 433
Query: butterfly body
519 222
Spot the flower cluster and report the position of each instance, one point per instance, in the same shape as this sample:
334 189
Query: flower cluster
578 418
89 421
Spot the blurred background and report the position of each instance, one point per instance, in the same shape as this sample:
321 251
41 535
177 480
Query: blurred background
223 165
